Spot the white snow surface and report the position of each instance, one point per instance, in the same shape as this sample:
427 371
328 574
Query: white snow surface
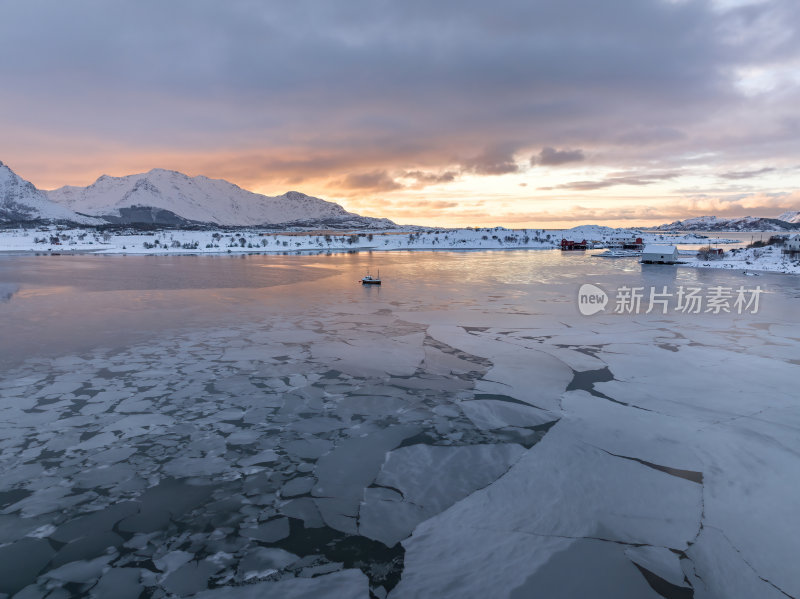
193 198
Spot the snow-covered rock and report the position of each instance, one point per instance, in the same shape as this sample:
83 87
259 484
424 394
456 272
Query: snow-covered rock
169 197
21 201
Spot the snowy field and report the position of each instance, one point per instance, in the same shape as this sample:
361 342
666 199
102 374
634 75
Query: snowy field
251 241
170 242
460 432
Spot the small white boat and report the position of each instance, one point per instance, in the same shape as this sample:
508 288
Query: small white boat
370 280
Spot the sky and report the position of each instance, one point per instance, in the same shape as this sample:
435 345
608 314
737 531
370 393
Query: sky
520 113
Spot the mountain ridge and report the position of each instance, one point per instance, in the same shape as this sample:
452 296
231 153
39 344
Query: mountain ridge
20 200
742 223
165 197
196 199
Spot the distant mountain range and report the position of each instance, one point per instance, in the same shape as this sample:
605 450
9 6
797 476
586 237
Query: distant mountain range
169 198
789 221
164 197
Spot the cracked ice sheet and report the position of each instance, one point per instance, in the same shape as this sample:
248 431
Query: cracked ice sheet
559 491
752 494
474 318
372 354
532 376
660 561
351 466
658 438
718 570
491 414
576 360
430 479
741 434
587 568
740 430
680 384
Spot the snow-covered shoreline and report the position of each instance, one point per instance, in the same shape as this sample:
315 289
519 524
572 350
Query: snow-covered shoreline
765 259
259 241
179 241
60 240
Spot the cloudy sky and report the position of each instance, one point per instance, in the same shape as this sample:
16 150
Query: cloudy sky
513 112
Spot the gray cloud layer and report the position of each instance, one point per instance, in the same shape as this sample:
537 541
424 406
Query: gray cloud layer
552 157
748 174
353 89
611 181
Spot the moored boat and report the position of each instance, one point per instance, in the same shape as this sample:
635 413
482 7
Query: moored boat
370 280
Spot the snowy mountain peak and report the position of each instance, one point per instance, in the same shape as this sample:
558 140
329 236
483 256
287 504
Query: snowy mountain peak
790 217
162 173
196 199
21 201
295 195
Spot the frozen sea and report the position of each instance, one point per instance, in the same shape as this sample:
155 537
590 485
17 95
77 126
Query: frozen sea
264 426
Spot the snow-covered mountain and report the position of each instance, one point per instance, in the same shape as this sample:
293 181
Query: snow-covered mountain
790 217
744 223
168 197
20 201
